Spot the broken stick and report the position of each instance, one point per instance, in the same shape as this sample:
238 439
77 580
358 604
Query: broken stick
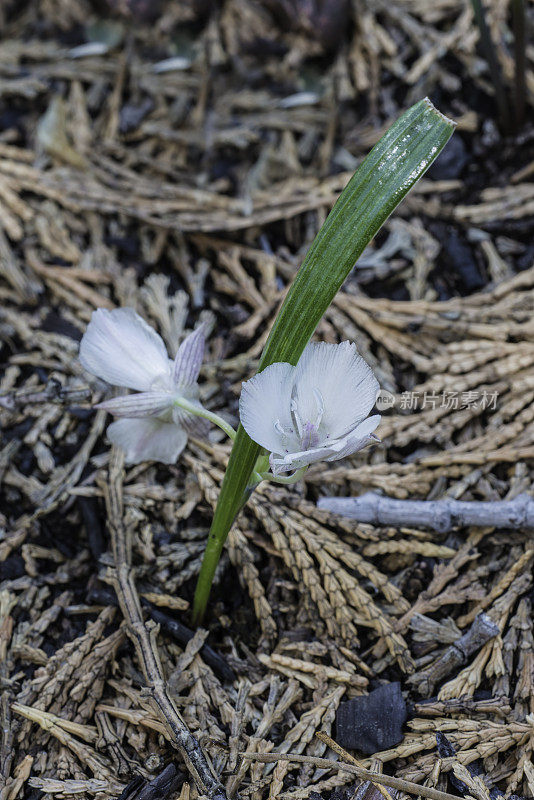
143 635
439 515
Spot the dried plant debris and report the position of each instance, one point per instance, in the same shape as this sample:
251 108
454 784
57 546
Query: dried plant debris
178 159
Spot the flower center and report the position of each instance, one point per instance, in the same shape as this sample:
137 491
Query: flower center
305 430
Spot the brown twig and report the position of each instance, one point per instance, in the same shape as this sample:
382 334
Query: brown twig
143 636
333 745
359 772
481 631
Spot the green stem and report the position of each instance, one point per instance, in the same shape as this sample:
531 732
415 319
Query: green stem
199 411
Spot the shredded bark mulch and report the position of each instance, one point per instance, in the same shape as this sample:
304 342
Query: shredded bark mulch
179 158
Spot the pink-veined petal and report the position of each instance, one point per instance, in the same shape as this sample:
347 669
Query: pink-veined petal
189 358
122 349
197 426
147 440
143 404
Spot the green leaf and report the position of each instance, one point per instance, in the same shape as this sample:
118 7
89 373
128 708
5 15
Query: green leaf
388 173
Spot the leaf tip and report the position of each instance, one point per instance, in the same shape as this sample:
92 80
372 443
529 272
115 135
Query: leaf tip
432 107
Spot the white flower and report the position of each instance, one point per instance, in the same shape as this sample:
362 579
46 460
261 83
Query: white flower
122 349
316 411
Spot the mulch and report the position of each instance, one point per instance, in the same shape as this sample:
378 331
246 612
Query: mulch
179 159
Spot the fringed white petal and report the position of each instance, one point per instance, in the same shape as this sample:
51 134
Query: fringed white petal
333 451
143 404
264 405
147 440
357 439
345 382
292 461
122 349
189 359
